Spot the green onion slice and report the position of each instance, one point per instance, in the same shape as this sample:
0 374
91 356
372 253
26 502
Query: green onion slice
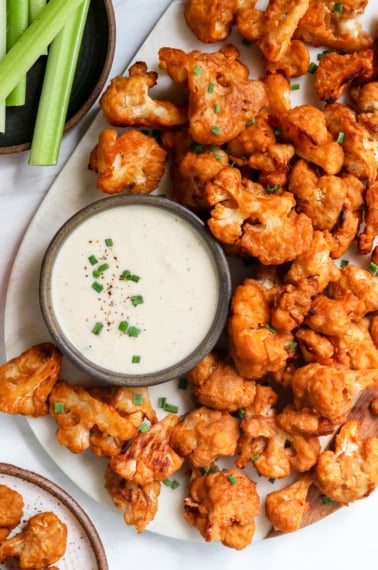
134 331
137 300
232 478
97 286
97 328
58 407
137 399
135 359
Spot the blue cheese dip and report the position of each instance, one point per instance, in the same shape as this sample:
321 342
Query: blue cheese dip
134 289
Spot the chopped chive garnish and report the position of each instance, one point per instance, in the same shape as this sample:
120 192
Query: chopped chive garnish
216 110
344 263
241 412
295 87
202 471
92 259
137 300
135 359
143 427
338 7
133 331
232 478
161 402
172 484
123 326
250 122
211 87
218 156
171 408
215 129
272 480
255 457
103 267
96 273
126 274
196 147
97 286
292 345
340 137
109 242
244 157
322 54
97 328
312 67
58 407
197 70
270 328
183 383
272 188
134 278
137 399
373 268
277 132
213 147
326 500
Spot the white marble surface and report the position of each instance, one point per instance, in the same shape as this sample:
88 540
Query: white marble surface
344 540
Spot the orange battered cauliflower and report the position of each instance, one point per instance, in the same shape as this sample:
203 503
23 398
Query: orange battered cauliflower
210 20
122 164
285 507
11 510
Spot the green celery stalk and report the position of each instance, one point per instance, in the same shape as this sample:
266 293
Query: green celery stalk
34 42
17 22
3 48
56 90
35 7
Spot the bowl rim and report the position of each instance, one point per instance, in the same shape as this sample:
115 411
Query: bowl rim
101 81
174 371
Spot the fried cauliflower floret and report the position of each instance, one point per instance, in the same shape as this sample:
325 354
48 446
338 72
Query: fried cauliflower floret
264 225
359 151
278 90
223 506
249 20
123 400
256 349
365 96
303 421
11 510
330 390
359 282
336 72
285 507
219 114
217 385
321 25
150 455
138 503
315 347
350 471
41 543
126 102
356 347
121 164
370 231
210 21
333 317
82 419
281 18
27 380
292 304
204 434
305 127
293 63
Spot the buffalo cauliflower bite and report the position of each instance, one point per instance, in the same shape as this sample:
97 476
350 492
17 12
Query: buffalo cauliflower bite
358 281
292 304
11 510
249 20
333 317
332 390
217 114
216 384
262 224
210 21
42 542
349 472
365 96
204 434
223 506
336 72
122 399
87 422
255 348
370 231
278 91
139 503
27 380
285 507
293 63
356 347
150 455
131 161
126 102
314 347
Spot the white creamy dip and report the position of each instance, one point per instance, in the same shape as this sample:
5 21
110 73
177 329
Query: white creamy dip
135 289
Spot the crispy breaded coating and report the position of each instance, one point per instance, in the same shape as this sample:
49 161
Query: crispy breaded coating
249 20
210 21
303 421
11 510
138 503
336 72
123 400
278 91
285 507
350 471
292 304
150 455
330 390
293 63
223 506
217 114
264 225
315 347
365 96
321 25
254 347
27 380
333 317
41 543
204 434
126 102
370 231
122 164
216 384
356 348
87 422
359 282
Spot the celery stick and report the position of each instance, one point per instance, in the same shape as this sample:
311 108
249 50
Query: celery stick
17 22
35 7
56 90
3 48
34 42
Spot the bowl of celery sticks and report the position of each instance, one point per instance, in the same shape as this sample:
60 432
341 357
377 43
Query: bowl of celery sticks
55 58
